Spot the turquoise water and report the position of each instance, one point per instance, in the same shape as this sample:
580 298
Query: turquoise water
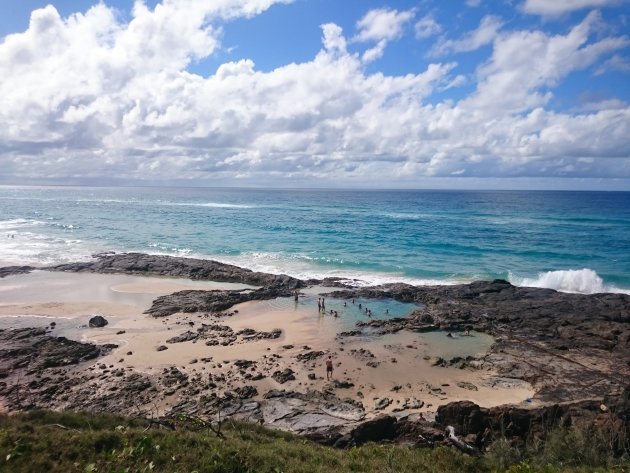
574 241
347 315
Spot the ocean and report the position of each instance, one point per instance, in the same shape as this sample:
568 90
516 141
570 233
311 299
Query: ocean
568 241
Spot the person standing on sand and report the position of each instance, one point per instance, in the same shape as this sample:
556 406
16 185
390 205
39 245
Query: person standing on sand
329 368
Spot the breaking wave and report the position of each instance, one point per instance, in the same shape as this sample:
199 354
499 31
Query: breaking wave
583 281
306 267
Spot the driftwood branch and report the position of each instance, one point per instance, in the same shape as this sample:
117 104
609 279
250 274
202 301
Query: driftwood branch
459 444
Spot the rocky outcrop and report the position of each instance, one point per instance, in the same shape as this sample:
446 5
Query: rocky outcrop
35 368
196 269
40 371
284 375
481 426
569 346
318 415
216 334
13 270
310 355
33 349
210 301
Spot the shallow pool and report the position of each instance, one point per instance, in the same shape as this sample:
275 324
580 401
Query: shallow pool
349 313
439 344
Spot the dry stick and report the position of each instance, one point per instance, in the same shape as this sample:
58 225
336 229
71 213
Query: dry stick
159 423
60 426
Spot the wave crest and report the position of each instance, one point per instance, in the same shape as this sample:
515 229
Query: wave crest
582 281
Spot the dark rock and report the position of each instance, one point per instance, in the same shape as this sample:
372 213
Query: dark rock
277 393
381 404
376 430
467 385
97 321
162 348
184 337
31 347
190 268
350 333
362 353
310 355
243 364
173 377
246 392
342 384
283 376
559 326
13 270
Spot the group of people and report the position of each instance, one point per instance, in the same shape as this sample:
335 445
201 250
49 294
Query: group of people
321 307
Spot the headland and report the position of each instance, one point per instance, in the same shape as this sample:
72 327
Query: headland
200 338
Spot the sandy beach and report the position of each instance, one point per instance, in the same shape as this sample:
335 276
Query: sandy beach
401 367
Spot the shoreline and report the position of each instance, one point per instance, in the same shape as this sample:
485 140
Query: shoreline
570 281
407 377
301 326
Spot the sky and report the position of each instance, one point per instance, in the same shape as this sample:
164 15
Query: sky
316 93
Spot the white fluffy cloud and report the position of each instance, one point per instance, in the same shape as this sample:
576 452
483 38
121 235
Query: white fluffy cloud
525 65
485 34
553 8
427 26
382 24
92 97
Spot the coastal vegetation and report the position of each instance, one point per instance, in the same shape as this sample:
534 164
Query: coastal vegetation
39 441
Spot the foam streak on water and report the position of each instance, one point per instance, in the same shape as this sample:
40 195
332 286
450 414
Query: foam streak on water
568 241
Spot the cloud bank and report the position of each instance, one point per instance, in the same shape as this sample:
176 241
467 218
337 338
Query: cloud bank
93 97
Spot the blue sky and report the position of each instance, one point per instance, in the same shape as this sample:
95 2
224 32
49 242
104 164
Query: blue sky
318 93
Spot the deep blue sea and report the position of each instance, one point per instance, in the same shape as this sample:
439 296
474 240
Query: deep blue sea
571 241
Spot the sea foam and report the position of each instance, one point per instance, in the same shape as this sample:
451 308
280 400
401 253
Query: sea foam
306 267
583 281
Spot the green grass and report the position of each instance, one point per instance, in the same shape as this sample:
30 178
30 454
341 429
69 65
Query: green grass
38 442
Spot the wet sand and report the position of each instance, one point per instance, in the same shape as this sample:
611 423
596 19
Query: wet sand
403 361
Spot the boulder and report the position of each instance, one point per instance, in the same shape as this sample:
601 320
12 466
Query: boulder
382 403
376 430
284 375
97 321
246 392
310 355
184 337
